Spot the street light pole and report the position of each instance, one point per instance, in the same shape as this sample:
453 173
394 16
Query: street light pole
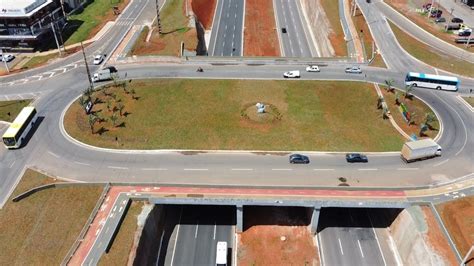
91 84
56 38
158 21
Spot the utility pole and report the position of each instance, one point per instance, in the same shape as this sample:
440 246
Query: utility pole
56 38
158 21
469 40
91 84
5 61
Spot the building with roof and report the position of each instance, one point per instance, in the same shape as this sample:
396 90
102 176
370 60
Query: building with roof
26 23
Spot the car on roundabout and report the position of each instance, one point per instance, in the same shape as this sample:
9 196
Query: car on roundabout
292 74
299 159
354 70
356 158
98 59
312 68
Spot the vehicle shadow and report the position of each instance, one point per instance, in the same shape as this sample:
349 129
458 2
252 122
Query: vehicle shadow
32 131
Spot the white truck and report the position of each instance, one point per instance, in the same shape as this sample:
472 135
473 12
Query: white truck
221 253
104 74
419 150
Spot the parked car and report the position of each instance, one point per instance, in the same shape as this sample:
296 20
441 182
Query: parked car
292 74
299 158
440 20
6 57
465 33
283 30
353 69
98 59
312 69
457 20
436 13
356 158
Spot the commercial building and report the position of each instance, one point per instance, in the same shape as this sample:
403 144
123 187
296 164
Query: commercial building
24 24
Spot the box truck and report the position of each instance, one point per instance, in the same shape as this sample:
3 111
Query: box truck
420 149
104 74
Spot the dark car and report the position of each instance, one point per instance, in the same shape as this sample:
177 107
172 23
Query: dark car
112 69
298 158
356 158
464 33
283 30
440 20
457 20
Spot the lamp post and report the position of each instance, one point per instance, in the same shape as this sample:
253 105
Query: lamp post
158 21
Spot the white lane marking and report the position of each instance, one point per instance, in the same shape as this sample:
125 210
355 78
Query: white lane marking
197 228
117 167
440 163
154 169
282 169
407 169
76 162
177 234
323 169
215 227
195 169
340 246
11 165
54 154
360 248
367 169
241 169
376 238
320 245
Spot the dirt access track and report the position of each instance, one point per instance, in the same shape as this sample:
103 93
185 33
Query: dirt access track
204 11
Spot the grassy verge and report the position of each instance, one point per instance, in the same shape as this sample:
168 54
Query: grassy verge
366 37
39 60
12 107
120 250
331 8
174 31
221 114
140 41
458 217
417 109
88 22
469 100
431 56
40 229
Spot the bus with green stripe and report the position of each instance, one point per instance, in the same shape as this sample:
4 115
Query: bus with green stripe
20 127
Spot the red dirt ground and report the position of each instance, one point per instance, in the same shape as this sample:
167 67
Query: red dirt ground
458 217
204 10
261 243
436 238
260 37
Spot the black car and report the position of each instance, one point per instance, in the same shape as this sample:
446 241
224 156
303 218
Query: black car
464 33
457 20
283 30
298 158
440 20
356 158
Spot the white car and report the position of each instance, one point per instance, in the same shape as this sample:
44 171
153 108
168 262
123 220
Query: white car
354 69
6 57
292 74
98 59
312 69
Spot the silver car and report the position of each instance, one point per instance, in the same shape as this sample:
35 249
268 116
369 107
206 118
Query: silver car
353 69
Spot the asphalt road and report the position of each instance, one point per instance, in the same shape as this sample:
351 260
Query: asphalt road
196 233
348 237
227 36
295 42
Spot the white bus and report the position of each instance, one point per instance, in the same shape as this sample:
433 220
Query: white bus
20 128
221 254
432 81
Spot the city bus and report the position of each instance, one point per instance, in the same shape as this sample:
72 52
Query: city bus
432 81
221 254
20 128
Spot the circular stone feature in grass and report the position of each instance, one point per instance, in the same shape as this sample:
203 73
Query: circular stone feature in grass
270 115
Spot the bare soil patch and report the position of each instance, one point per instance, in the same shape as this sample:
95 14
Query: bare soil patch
260 36
331 8
436 239
204 10
276 236
458 217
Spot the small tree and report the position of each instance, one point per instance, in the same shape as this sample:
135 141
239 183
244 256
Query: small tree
379 102
114 118
423 129
385 113
92 118
408 89
397 98
133 92
389 83
83 101
429 119
109 104
412 119
121 107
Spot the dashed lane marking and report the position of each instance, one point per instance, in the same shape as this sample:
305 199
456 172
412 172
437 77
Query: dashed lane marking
323 169
407 169
195 169
282 169
117 167
241 169
367 169
440 163
154 169
54 154
76 162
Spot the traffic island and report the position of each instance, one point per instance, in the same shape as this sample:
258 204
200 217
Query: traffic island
210 115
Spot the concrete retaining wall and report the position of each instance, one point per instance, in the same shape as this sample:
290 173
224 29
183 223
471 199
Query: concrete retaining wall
147 250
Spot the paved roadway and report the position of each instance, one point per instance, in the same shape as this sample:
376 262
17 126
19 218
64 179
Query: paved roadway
196 233
227 36
348 237
296 42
